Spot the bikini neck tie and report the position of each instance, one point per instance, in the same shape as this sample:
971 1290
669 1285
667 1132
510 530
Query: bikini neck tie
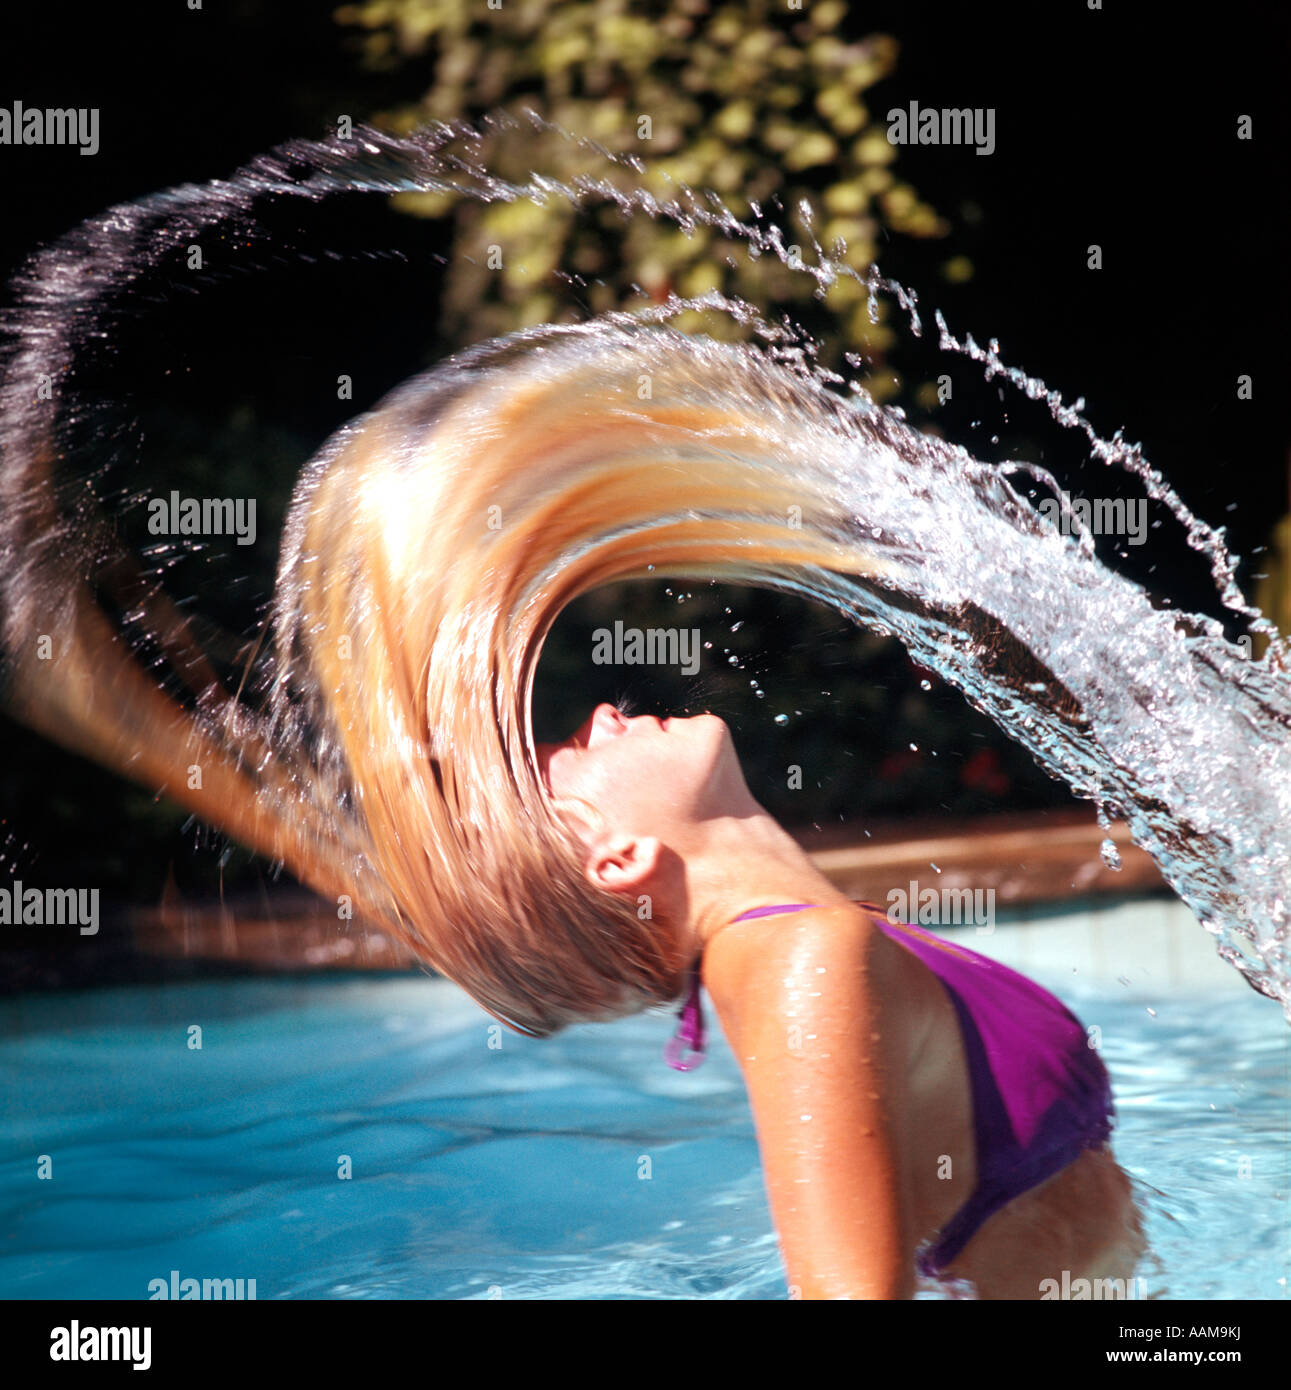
684 1051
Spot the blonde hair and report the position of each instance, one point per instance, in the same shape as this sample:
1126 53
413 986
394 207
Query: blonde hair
429 547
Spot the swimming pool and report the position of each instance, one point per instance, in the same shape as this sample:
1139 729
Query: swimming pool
580 1167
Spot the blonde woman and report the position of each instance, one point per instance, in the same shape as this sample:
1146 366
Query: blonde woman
917 1107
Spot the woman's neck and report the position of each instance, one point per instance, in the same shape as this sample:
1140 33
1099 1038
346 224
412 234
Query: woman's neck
747 862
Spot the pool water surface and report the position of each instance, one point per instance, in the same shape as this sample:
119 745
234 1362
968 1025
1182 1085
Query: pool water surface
379 1137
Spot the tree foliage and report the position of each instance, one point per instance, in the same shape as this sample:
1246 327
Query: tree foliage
760 103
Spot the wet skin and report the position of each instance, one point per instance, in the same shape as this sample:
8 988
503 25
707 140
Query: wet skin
830 1020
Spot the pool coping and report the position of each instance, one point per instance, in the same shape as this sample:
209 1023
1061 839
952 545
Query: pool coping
1030 863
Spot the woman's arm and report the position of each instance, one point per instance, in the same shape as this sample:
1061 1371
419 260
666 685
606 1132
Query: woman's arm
818 1025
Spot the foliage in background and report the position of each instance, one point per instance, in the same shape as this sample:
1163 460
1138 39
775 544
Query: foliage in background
1273 591
757 102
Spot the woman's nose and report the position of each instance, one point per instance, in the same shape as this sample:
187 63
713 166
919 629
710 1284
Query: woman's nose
604 719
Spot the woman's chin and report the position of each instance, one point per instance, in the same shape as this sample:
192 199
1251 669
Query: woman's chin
709 729
716 748
707 720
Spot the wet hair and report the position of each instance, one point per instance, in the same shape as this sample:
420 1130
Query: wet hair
381 747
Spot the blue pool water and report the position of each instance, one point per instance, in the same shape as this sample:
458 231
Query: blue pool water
579 1167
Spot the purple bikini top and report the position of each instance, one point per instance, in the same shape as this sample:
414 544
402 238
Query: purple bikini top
684 1051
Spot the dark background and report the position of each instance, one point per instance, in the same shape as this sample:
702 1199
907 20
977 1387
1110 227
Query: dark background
1113 126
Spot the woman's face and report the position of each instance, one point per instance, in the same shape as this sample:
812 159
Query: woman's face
646 776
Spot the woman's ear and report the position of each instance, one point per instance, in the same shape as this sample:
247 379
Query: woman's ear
622 863
615 862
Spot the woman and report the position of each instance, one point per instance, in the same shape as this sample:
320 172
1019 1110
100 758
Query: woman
379 745
867 1075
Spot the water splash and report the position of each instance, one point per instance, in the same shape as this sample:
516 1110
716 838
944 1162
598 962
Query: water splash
1154 713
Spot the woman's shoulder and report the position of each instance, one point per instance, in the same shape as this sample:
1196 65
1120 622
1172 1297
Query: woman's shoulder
830 929
756 969
753 937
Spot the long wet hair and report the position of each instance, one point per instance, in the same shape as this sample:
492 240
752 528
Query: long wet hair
381 746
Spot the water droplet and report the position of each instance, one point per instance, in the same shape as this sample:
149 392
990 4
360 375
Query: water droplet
782 719
925 685
1111 856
